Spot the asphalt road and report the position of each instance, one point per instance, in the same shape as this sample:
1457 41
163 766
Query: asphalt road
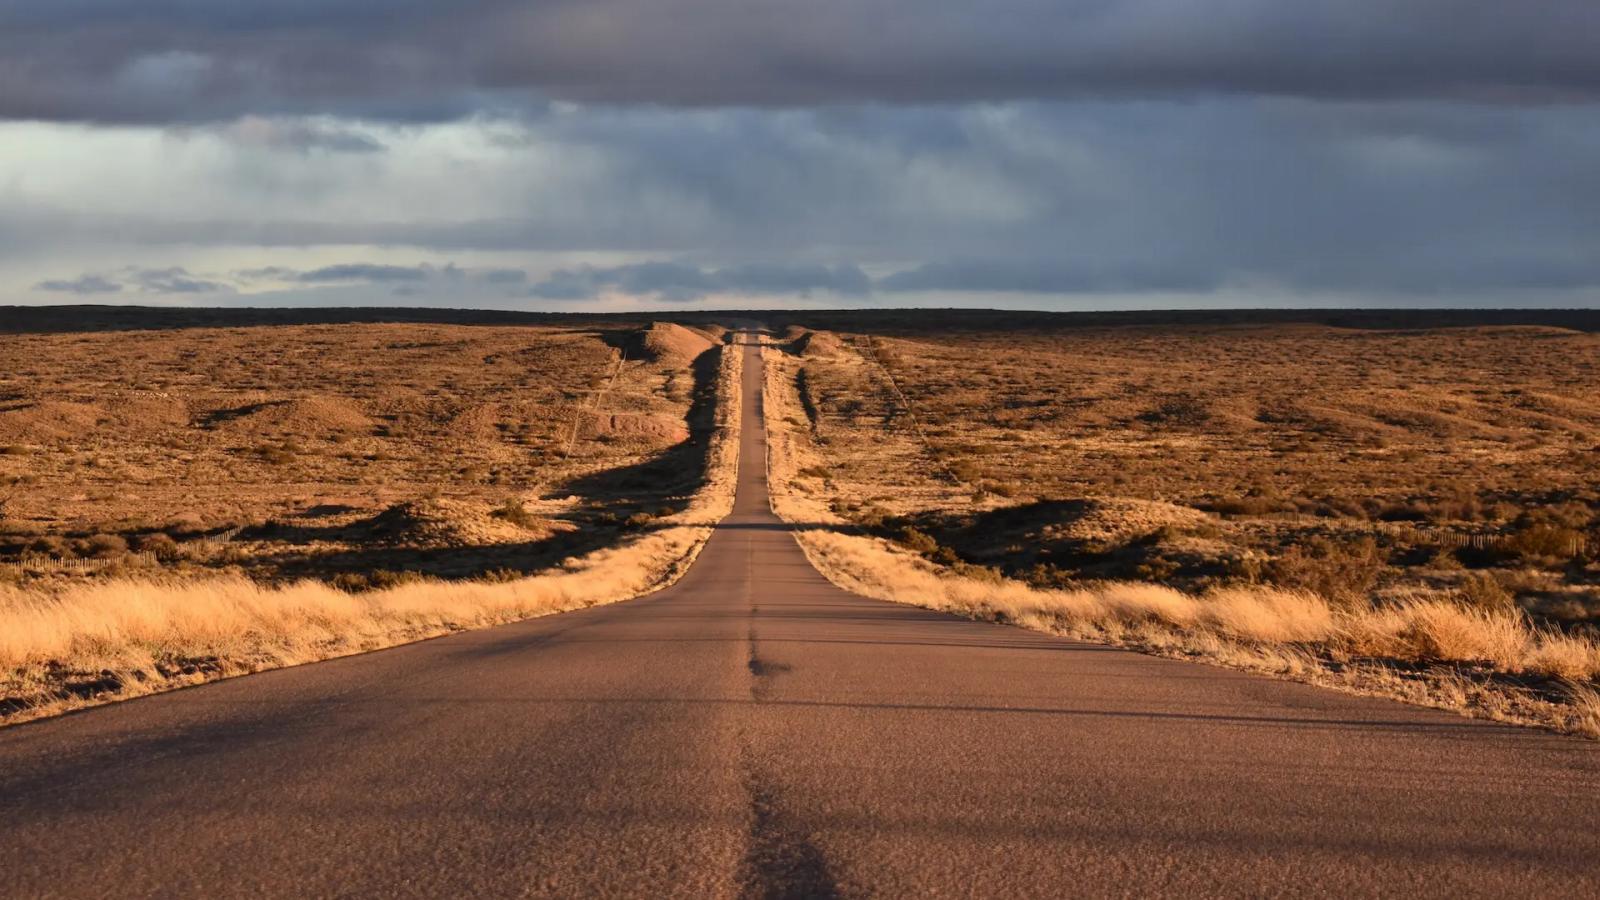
753 730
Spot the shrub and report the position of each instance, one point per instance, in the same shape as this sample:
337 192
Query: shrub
1536 542
1444 558
161 544
984 574
1249 569
377 579
872 516
103 546
1481 591
50 545
916 540
276 455
966 470
1156 568
1251 506
1001 488
1341 570
516 513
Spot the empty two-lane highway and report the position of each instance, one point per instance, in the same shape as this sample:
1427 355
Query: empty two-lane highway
754 730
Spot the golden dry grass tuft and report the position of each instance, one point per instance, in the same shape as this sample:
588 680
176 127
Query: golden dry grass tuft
1586 711
97 641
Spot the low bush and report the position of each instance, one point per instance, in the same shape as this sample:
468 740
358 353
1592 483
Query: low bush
915 540
1250 506
377 579
1539 542
52 546
103 546
501 575
161 544
1480 590
276 454
515 512
1341 570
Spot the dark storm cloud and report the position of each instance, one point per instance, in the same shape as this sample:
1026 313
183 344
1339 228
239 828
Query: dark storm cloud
189 60
174 280
1481 203
169 280
364 272
1049 277
83 284
369 273
266 273
503 276
684 282
776 278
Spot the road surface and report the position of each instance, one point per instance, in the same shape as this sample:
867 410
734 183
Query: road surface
755 731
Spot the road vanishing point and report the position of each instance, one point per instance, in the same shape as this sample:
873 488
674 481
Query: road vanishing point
755 731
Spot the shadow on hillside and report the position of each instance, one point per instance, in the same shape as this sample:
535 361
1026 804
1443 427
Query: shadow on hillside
613 504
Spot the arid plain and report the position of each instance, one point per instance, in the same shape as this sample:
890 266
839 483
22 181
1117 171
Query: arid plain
1084 679
190 502
1401 504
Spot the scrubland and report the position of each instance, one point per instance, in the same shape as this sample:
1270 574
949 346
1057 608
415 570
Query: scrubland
416 479
1405 512
331 451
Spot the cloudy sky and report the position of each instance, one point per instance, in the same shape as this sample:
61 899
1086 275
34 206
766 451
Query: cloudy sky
603 154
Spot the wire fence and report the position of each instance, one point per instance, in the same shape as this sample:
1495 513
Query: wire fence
49 564
865 347
595 400
1568 545
1576 544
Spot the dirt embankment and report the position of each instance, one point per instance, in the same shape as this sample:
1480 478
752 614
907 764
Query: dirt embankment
664 342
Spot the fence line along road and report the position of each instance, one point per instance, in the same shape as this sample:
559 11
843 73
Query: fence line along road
865 348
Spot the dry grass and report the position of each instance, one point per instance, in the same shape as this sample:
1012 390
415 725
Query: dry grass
99 641
319 450
1586 711
1422 454
1256 627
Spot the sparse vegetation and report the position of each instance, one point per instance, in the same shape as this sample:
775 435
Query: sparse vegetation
1262 577
516 512
311 434
1402 457
83 618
